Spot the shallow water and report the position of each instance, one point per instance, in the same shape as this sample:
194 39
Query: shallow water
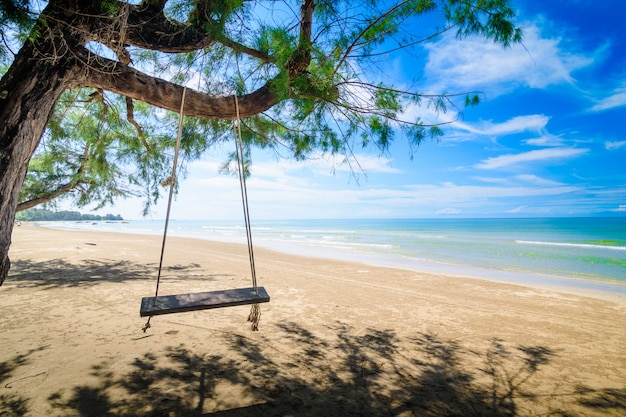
583 252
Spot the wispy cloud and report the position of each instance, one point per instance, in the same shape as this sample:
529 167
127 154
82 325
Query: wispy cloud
327 165
503 161
490 180
448 211
281 190
528 123
545 140
477 63
516 210
534 179
612 146
323 165
450 192
615 100
517 179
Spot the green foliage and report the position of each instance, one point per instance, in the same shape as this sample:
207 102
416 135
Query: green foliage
16 20
489 18
90 146
388 101
338 101
14 11
472 100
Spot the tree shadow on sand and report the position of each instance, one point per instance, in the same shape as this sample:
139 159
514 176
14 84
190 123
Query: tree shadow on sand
366 374
61 273
11 403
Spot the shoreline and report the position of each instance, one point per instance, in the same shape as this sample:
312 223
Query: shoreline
336 338
606 290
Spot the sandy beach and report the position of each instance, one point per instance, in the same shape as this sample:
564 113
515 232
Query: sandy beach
337 338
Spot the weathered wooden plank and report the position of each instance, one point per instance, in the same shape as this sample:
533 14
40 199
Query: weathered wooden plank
179 303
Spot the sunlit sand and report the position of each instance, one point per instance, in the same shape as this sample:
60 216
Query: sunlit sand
337 338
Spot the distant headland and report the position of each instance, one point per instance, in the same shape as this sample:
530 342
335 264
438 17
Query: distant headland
64 215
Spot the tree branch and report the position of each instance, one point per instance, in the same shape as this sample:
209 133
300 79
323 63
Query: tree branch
51 195
301 57
238 47
157 5
130 116
121 79
362 33
149 28
76 181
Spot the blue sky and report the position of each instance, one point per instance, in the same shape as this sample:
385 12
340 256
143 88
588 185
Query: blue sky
547 140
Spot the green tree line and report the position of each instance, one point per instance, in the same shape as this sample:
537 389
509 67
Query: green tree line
64 215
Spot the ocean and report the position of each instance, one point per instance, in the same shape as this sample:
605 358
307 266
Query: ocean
579 252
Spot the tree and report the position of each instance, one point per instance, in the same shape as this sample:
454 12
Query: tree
85 79
47 215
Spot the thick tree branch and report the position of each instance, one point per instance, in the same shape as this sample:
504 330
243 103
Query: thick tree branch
121 79
157 5
147 27
151 29
301 57
136 85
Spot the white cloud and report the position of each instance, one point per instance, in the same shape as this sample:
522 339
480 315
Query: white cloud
476 63
532 156
612 146
545 140
516 210
290 196
326 165
492 180
427 114
449 210
450 192
522 178
534 179
369 164
617 99
529 123
205 166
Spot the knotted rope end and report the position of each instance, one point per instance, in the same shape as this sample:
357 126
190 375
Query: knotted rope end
255 317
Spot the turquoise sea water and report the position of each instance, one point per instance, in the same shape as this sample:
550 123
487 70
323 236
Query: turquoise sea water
553 250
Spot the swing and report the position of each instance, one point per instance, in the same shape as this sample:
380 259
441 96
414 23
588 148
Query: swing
178 303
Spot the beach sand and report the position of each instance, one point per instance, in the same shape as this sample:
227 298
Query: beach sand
337 338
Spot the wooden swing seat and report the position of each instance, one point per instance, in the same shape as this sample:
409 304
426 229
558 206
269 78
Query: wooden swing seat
179 303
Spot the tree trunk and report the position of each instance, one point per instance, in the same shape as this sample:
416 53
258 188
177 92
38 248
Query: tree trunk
28 93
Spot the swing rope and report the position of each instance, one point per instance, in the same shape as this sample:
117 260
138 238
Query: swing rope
255 311
171 181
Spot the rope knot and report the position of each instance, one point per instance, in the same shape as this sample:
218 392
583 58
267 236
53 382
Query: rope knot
255 317
169 181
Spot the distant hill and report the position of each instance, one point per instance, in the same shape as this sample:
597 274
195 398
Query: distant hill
48 215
